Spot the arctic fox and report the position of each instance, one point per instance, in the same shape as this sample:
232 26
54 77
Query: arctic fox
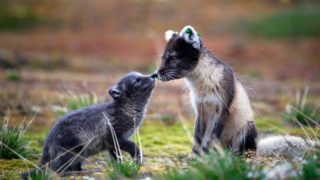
222 107
106 126
223 112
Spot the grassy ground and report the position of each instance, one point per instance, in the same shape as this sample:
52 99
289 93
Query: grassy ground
165 147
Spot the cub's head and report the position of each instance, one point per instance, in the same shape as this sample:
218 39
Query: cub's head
133 87
181 54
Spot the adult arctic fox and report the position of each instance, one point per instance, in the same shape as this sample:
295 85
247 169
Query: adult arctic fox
222 107
223 112
106 126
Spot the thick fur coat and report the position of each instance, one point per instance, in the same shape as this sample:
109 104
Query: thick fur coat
106 126
222 107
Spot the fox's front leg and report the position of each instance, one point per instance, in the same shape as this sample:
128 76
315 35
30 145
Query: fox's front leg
132 149
214 128
199 130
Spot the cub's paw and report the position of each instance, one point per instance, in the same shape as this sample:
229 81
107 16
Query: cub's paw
138 160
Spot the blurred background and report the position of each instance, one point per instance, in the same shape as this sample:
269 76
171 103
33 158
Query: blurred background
58 56
52 49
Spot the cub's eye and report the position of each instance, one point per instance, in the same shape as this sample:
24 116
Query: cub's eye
138 80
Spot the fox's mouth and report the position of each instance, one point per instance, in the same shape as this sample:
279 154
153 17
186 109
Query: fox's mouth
149 86
168 76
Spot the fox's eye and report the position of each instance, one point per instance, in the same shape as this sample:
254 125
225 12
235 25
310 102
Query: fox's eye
173 57
138 80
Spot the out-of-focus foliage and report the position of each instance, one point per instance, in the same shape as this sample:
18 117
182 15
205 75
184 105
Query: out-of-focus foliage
74 102
13 144
303 113
123 170
301 21
17 14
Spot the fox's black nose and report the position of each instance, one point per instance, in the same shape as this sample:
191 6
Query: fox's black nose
154 75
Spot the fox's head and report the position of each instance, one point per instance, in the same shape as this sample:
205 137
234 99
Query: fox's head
133 87
181 54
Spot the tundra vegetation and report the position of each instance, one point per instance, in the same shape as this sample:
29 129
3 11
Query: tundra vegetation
54 60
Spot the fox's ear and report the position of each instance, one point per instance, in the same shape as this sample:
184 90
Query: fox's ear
115 92
169 34
190 35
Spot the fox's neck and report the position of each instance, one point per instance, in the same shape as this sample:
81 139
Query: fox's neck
206 76
130 109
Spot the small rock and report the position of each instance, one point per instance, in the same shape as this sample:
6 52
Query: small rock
282 170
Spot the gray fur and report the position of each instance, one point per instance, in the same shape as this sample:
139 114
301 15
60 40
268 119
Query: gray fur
86 132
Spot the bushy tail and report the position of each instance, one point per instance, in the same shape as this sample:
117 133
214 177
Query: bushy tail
42 169
285 146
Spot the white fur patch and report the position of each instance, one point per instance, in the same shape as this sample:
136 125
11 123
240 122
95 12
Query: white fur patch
190 35
283 146
168 34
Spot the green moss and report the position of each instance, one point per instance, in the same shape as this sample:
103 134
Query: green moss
159 140
270 125
11 169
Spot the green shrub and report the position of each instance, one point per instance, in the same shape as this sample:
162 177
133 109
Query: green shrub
74 102
301 21
13 76
15 15
12 142
40 175
123 170
311 167
302 113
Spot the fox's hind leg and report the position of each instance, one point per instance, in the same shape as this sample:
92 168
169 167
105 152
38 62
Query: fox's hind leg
249 140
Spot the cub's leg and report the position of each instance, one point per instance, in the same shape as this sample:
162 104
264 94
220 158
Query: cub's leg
68 154
130 147
66 163
112 154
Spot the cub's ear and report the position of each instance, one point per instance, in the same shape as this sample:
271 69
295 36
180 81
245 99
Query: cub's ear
169 34
115 92
190 35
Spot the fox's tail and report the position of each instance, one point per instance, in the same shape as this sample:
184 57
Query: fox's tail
42 167
285 146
